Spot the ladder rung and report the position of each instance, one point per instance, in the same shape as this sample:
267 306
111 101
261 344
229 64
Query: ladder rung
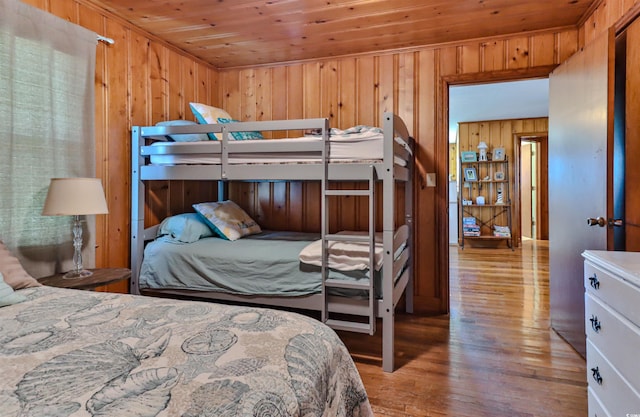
347 192
347 238
352 326
341 283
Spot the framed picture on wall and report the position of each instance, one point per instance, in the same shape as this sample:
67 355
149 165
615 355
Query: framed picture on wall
498 154
470 174
468 156
498 176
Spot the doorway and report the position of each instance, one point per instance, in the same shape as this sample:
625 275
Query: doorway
532 184
490 93
517 103
528 187
442 154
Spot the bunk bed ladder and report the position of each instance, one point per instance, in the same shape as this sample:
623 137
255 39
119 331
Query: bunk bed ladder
362 326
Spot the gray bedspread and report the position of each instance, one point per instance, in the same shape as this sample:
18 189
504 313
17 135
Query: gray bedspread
76 353
263 264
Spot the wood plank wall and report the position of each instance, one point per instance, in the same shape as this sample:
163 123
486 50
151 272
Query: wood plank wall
356 90
499 134
607 14
139 81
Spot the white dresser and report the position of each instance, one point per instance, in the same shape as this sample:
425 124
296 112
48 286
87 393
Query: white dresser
612 323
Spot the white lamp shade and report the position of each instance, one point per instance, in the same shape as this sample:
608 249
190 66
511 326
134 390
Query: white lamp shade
75 196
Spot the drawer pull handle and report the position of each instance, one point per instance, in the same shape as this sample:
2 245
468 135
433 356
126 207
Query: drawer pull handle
595 324
593 281
595 373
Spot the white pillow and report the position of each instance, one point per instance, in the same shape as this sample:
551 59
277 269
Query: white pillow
227 219
207 115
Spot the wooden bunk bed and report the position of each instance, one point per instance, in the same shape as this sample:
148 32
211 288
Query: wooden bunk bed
230 160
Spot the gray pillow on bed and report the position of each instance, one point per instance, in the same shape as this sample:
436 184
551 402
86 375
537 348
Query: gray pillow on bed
191 137
186 227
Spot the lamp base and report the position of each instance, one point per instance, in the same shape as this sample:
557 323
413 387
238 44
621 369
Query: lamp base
77 274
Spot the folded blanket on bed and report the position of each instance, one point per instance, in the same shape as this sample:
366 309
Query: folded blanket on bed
360 131
355 130
344 256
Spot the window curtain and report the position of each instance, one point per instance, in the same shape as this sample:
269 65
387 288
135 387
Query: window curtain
47 71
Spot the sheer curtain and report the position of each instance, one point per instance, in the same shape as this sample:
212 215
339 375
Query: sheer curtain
47 70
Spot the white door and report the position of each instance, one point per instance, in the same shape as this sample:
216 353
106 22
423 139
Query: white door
578 137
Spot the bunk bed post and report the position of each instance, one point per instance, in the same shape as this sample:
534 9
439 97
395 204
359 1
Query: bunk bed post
137 210
373 313
324 221
389 201
408 216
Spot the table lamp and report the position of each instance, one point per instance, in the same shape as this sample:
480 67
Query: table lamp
75 197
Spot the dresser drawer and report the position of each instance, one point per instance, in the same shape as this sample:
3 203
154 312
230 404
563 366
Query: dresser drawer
609 386
596 409
624 297
616 337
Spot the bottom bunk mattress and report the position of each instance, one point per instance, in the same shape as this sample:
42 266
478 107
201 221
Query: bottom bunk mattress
76 353
264 264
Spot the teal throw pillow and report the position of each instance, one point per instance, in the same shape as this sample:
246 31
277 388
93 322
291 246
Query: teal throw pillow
228 219
186 227
241 135
208 115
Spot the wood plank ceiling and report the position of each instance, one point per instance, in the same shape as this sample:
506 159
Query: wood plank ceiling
236 33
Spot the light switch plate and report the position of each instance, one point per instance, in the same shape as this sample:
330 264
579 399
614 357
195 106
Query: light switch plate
430 178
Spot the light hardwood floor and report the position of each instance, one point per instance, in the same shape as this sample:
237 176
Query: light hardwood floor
495 355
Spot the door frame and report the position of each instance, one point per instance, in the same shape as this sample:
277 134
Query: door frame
616 240
542 192
442 158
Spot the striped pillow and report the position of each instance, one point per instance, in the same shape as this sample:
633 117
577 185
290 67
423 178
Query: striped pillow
14 273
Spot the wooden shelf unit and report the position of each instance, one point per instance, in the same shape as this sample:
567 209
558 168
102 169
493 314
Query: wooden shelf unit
487 216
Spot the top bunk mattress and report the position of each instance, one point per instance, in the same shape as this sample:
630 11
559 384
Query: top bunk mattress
353 148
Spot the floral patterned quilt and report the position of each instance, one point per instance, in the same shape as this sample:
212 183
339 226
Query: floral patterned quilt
77 353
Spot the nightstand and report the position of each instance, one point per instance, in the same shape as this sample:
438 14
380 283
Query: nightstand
100 277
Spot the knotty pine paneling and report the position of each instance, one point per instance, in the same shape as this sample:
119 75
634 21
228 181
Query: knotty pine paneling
357 90
243 33
603 17
139 81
